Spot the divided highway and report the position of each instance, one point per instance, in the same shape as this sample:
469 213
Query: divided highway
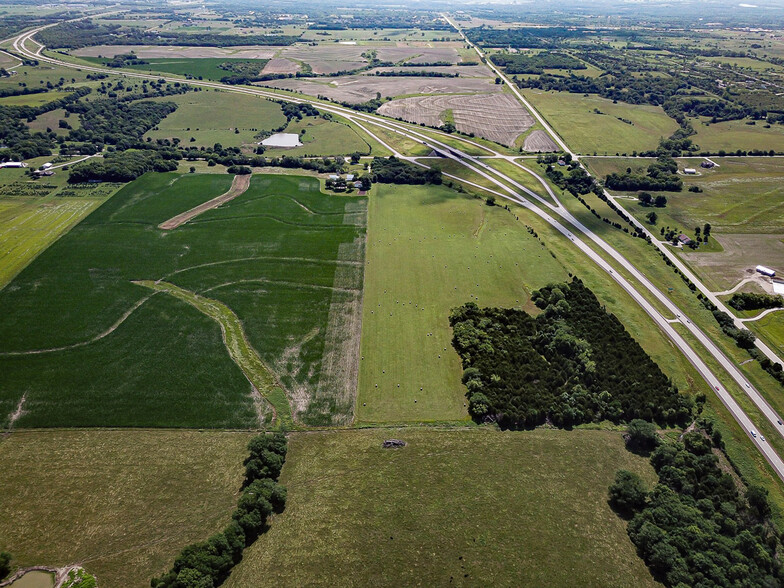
509 189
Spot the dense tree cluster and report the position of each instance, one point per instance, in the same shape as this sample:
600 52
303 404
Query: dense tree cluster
121 167
394 171
125 60
536 63
532 37
743 337
661 176
117 122
572 364
695 528
85 33
209 563
754 301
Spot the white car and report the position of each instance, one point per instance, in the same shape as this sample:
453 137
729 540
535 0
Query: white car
762 438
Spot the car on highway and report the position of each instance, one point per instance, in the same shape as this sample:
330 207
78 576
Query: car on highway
762 438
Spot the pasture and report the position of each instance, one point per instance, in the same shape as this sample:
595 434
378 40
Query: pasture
175 52
323 137
211 117
574 118
86 346
33 99
51 120
460 507
732 135
122 503
431 249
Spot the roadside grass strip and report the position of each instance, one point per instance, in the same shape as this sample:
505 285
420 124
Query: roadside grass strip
242 353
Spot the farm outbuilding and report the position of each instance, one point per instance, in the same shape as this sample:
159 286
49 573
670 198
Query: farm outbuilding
765 271
690 171
684 239
13 164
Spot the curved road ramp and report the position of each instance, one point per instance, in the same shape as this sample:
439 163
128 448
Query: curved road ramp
238 186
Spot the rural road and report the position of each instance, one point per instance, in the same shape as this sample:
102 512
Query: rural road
504 182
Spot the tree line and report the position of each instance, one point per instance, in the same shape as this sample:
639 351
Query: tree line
755 301
574 363
661 176
394 171
209 563
697 527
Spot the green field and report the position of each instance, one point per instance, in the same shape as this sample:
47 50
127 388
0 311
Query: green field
285 258
212 117
33 99
736 134
198 68
464 508
121 503
431 249
574 118
34 215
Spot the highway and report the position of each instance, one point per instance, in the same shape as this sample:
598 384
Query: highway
511 190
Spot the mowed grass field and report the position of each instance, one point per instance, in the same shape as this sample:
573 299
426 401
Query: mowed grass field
85 346
324 137
574 118
120 503
33 99
431 249
212 117
460 507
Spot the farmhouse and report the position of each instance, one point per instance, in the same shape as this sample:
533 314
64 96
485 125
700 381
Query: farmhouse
684 239
765 271
690 171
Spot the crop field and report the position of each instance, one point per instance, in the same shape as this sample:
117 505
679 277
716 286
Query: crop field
574 117
212 117
457 508
278 65
206 67
154 51
86 496
538 141
497 117
430 250
736 134
412 54
34 215
475 71
86 344
359 88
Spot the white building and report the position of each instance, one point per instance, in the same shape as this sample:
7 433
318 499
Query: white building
765 271
13 164
690 171
46 166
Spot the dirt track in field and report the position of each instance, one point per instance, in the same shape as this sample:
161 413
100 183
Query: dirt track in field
238 186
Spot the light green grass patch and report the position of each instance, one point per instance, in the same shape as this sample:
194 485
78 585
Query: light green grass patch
574 118
33 99
732 135
430 250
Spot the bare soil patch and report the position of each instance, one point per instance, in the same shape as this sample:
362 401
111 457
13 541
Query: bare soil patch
238 186
477 71
539 141
359 88
279 65
497 117
418 54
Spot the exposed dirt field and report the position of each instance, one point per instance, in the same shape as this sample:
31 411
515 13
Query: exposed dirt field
418 54
239 52
741 254
326 59
477 71
358 88
498 117
238 186
278 65
539 141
